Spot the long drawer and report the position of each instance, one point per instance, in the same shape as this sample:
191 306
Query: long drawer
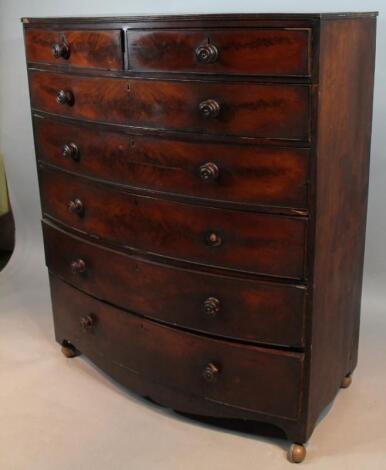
245 241
244 174
238 308
222 372
267 111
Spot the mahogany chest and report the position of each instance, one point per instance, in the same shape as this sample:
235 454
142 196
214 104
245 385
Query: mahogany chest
204 184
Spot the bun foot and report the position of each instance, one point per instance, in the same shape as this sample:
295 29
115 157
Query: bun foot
69 350
296 453
346 382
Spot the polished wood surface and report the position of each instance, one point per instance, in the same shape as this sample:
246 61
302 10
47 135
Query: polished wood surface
245 109
250 310
169 356
230 19
204 235
208 194
246 174
344 132
245 52
96 49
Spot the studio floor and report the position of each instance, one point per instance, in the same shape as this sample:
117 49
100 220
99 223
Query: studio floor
65 414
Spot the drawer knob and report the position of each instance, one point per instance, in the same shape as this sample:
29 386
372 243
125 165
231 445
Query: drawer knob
207 54
60 50
75 206
65 97
87 322
78 266
209 108
213 239
211 306
209 172
210 373
71 151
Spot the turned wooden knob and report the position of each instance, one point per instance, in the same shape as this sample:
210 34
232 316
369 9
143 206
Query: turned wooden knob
65 97
71 151
209 108
213 239
60 50
207 54
209 172
210 372
211 306
78 266
87 322
75 206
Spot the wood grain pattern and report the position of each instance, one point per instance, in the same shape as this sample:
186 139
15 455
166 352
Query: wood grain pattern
344 131
258 243
165 355
163 243
250 310
251 110
254 52
94 49
247 174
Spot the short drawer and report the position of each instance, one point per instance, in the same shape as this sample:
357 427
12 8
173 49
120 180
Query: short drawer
275 111
95 49
232 173
264 51
222 372
245 241
238 308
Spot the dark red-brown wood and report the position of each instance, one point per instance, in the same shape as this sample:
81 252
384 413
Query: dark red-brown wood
163 99
246 109
201 20
259 243
248 377
249 310
95 49
246 174
342 172
243 51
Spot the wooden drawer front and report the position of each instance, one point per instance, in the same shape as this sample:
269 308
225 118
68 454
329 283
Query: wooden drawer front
221 305
96 49
265 244
279 111
244 51
232 173
228 373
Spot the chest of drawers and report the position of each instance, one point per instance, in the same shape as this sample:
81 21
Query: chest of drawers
203 183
